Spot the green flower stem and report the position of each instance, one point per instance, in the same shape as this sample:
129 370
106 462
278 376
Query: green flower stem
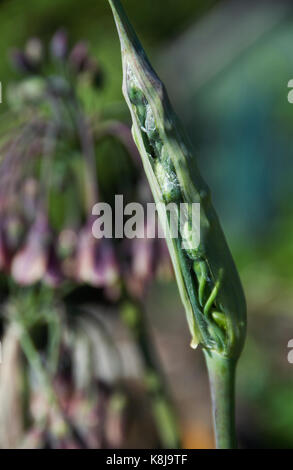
222 383
134 318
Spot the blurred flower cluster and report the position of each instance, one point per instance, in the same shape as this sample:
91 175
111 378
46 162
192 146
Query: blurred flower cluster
57 160
53 171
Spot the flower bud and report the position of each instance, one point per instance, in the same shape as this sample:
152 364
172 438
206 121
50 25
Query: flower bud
206 275
96 261
21 62
29 265
59 45
79 58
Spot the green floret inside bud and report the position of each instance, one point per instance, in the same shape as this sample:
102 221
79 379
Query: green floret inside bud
168 183
137 98
189 241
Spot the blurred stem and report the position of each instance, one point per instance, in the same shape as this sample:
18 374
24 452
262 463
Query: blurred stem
134 318
87 145
48 154
74 109
44 377
222 384
54 342
35 362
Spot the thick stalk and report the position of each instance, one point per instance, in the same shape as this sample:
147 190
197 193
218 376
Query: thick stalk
162 405
222 384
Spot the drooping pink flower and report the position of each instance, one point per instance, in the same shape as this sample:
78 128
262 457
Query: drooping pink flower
96 260
29 265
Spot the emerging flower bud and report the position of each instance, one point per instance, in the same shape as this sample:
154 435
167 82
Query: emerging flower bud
207 278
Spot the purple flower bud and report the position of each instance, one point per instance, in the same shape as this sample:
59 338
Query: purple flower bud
21 62
59 45
96 261
29 265
79 58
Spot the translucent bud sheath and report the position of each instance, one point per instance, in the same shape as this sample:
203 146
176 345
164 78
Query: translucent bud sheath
208 281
